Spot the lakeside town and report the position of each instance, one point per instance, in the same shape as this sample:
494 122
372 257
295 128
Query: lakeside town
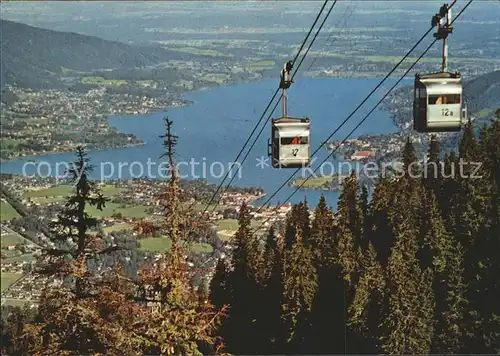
43 121
54 121
131 215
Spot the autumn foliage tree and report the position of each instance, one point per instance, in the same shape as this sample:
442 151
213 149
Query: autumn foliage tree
178 320
88 311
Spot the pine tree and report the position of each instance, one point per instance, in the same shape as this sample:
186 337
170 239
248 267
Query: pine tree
305 223
270 248
432 169
364 216
297 220
219 294
328 316
411 170
348 206
450 192
322 231
368 308
468 144
90 312
328 312
14 320
380 232
444 256
482 262
350 227
178 322
244 289
408 326
300 286
274 334
409 323
291 226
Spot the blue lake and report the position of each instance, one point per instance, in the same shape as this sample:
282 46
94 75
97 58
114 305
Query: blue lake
213 130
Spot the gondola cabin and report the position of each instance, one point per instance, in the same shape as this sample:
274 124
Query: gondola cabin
437 105
290 146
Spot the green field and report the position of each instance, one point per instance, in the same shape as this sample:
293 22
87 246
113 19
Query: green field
267 30
225 235
28 257
64 190
136 211
8 239
396 59
312 183
201 207
59 193
484 113
162 244
261 65
232 224
8 143
16 302
200 51
144 83
9 278
7 212
101 80
227 224
48 200
117 227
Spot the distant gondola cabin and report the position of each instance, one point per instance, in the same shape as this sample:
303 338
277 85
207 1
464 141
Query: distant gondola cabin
437 105
290 146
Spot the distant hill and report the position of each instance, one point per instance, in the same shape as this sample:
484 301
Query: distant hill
35 57
483 94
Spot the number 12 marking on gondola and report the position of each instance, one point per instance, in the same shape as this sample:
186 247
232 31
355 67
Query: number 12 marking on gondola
446 112
295 151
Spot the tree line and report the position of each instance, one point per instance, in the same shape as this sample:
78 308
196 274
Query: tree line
412 269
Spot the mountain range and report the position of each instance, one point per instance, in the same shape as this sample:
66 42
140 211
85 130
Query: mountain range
36 57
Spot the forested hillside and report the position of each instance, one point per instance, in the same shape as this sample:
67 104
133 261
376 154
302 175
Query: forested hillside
414 270
482 94
36 57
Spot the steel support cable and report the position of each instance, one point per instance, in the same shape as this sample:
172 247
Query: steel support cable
364 118
353 112
267 108
277 103
330 41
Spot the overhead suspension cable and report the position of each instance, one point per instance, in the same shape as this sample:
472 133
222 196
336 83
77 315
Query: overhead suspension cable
275 106
364 118
354 111
359 124
331 40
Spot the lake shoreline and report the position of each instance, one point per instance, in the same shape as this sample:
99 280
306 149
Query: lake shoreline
186 103
207 151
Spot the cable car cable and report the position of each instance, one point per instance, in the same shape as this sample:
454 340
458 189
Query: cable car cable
267 107
354 111
277 103
364 118
330 41
359 124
